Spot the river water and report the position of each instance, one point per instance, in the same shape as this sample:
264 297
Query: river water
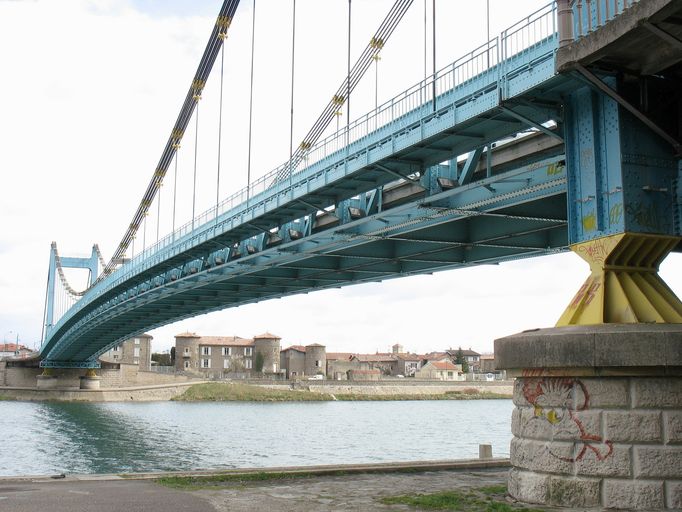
49 438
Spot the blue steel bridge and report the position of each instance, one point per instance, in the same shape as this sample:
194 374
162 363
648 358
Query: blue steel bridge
562 131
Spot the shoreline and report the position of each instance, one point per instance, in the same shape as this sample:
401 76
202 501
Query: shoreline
278 471
211 391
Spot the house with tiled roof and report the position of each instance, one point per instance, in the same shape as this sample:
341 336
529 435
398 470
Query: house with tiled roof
298 361
387 363
439 370
227 356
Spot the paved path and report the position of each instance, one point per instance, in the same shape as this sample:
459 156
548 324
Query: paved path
349 492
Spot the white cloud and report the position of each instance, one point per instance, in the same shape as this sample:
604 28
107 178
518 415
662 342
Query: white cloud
91 90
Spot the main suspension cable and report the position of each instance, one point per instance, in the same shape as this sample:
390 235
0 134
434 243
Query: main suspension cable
214 44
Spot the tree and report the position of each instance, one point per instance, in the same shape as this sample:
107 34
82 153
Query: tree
172 356
161 359
460 359
260 360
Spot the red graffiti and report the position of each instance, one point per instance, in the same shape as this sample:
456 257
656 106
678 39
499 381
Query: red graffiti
569 395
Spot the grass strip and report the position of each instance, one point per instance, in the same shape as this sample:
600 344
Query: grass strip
209 481
483 499
235 392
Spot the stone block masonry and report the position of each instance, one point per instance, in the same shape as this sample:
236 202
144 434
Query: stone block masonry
597 437
625 454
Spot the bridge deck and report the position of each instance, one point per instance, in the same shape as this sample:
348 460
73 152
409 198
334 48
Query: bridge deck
408 227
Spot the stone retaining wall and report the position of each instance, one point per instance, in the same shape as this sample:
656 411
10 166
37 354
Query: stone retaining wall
502 388
590 442
138 394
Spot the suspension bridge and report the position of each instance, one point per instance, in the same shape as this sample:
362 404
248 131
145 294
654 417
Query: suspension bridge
563 130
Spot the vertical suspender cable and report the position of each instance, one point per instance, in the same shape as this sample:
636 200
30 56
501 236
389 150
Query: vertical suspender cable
144 234
196 144
433 67
158 215
487 28
220 124
47 292
175 187
426 73
248 164
348 79
291 120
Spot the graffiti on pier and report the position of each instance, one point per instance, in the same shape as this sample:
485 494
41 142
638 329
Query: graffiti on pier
558 401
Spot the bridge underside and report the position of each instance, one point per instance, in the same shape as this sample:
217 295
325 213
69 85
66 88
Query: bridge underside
513 215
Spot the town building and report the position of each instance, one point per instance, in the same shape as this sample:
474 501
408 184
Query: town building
135 351
14 350
439 370
298 361
292 361
472 358
338 365
227 356
386 363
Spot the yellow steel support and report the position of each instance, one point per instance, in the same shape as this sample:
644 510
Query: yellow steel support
90 373
624 286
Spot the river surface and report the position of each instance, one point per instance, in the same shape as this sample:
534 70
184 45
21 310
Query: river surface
48 438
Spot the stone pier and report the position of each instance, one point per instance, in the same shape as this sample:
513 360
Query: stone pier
598 417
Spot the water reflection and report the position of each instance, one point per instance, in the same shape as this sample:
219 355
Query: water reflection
44 438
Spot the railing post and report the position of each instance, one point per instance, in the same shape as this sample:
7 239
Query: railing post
565 19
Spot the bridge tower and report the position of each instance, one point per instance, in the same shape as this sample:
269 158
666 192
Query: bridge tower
599 397
58 263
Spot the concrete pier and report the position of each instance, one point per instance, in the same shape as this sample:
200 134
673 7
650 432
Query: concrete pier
598 418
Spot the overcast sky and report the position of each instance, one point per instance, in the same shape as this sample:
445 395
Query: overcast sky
90 91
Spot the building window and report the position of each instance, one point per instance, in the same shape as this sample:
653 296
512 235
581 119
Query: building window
226 363
248 351
449 375
117 348
186 365
137 341
227 351
318 364
205 363
136 352
206 351
136 361
186 350
115 357
247 364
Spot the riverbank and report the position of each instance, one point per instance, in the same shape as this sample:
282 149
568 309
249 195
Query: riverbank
199 391
218 392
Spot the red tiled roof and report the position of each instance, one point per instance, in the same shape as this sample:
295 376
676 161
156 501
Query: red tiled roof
336 356
375 358
443 365
409 357
11 347
267 336
225 341
299 348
